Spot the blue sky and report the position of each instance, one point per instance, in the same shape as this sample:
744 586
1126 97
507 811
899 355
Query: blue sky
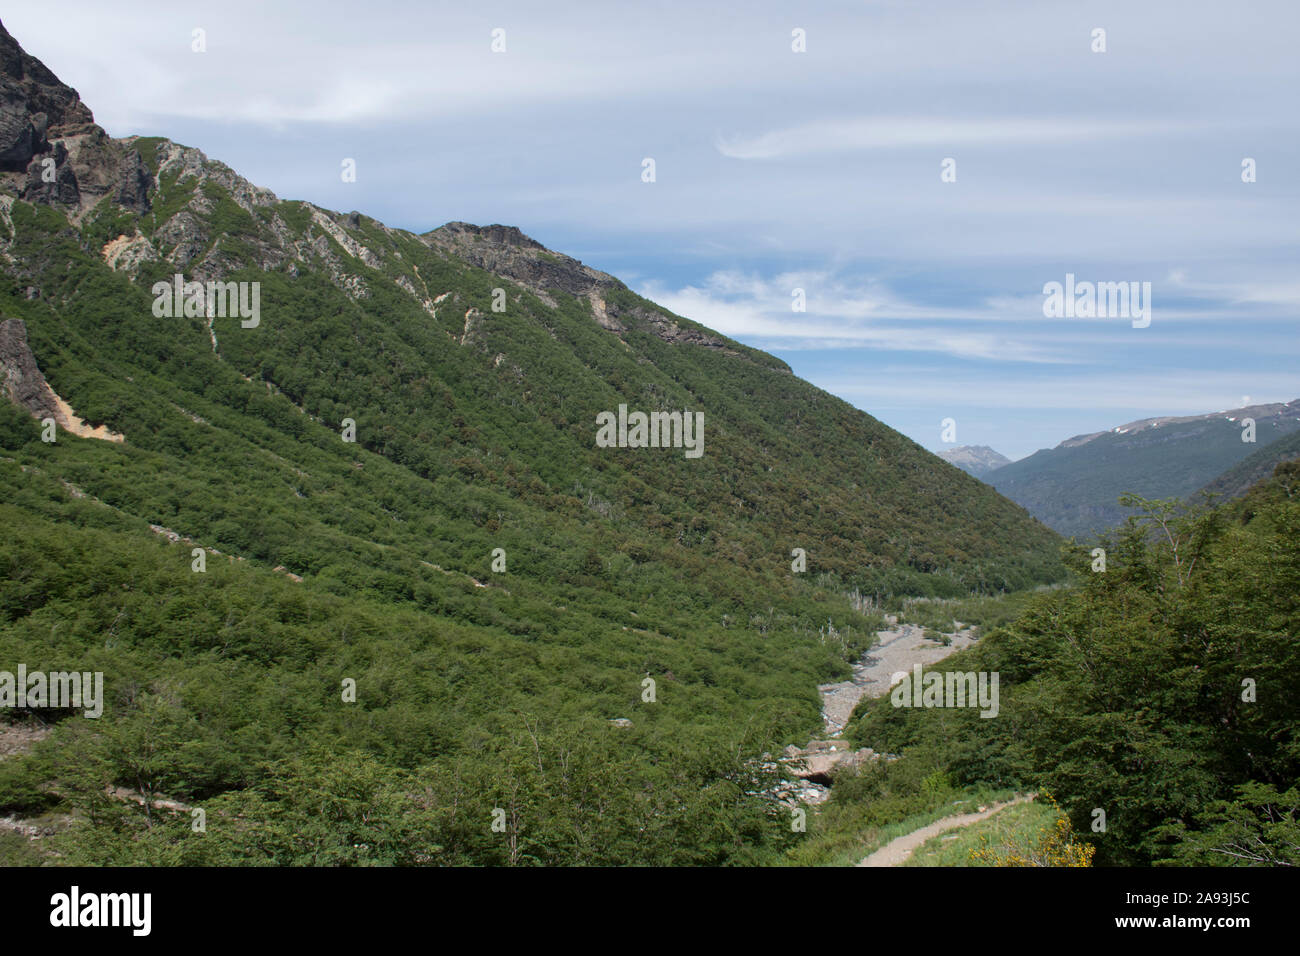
778 170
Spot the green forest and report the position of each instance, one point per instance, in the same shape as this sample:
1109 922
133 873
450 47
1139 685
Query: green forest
1157 691
473 637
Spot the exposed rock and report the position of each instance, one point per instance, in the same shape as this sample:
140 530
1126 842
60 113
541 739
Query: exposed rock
24 382
133 183
181 238
18 137
19 738
977 460
505 251
26 387
27 79
348 244
603 318
127 253
190 163
473 327
797 793
44 119
822 758
61 187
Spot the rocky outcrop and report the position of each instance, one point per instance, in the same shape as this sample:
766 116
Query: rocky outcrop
34 106
25 79
128 253
50 179
820 760
189 163
25 385
507 252
133 182
22 134
52 148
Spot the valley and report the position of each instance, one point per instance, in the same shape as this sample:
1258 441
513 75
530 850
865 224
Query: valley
377 569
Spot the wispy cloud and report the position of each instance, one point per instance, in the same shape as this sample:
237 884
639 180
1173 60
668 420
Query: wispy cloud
1163 393
866 133
838 315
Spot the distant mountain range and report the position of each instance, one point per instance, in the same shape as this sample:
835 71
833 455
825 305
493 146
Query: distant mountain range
1074 487
977 460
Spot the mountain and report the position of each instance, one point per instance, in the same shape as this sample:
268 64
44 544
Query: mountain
1075 486
335 458
1255 467
977 460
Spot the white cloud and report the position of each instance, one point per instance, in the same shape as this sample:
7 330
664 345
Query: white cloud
864 133
1165 393
745 306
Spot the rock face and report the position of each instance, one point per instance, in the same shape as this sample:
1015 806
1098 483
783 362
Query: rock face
133 182
51 146
24 384
20 139
506 251
34 106
50 179
26 387
27 84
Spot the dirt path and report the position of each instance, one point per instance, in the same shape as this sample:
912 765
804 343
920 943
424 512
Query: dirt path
899 649
897 850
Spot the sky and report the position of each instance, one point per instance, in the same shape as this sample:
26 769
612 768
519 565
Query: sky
921 170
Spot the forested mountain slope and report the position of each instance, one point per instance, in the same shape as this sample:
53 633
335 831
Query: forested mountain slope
1075 487
498 585
1255 467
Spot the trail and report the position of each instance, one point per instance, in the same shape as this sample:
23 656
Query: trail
897 850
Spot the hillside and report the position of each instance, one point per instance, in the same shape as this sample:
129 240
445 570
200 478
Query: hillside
499 585
1255 467
977 460
1075 486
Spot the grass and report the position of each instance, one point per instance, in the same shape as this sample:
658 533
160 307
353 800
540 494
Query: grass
836 837
17 850
1012 829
